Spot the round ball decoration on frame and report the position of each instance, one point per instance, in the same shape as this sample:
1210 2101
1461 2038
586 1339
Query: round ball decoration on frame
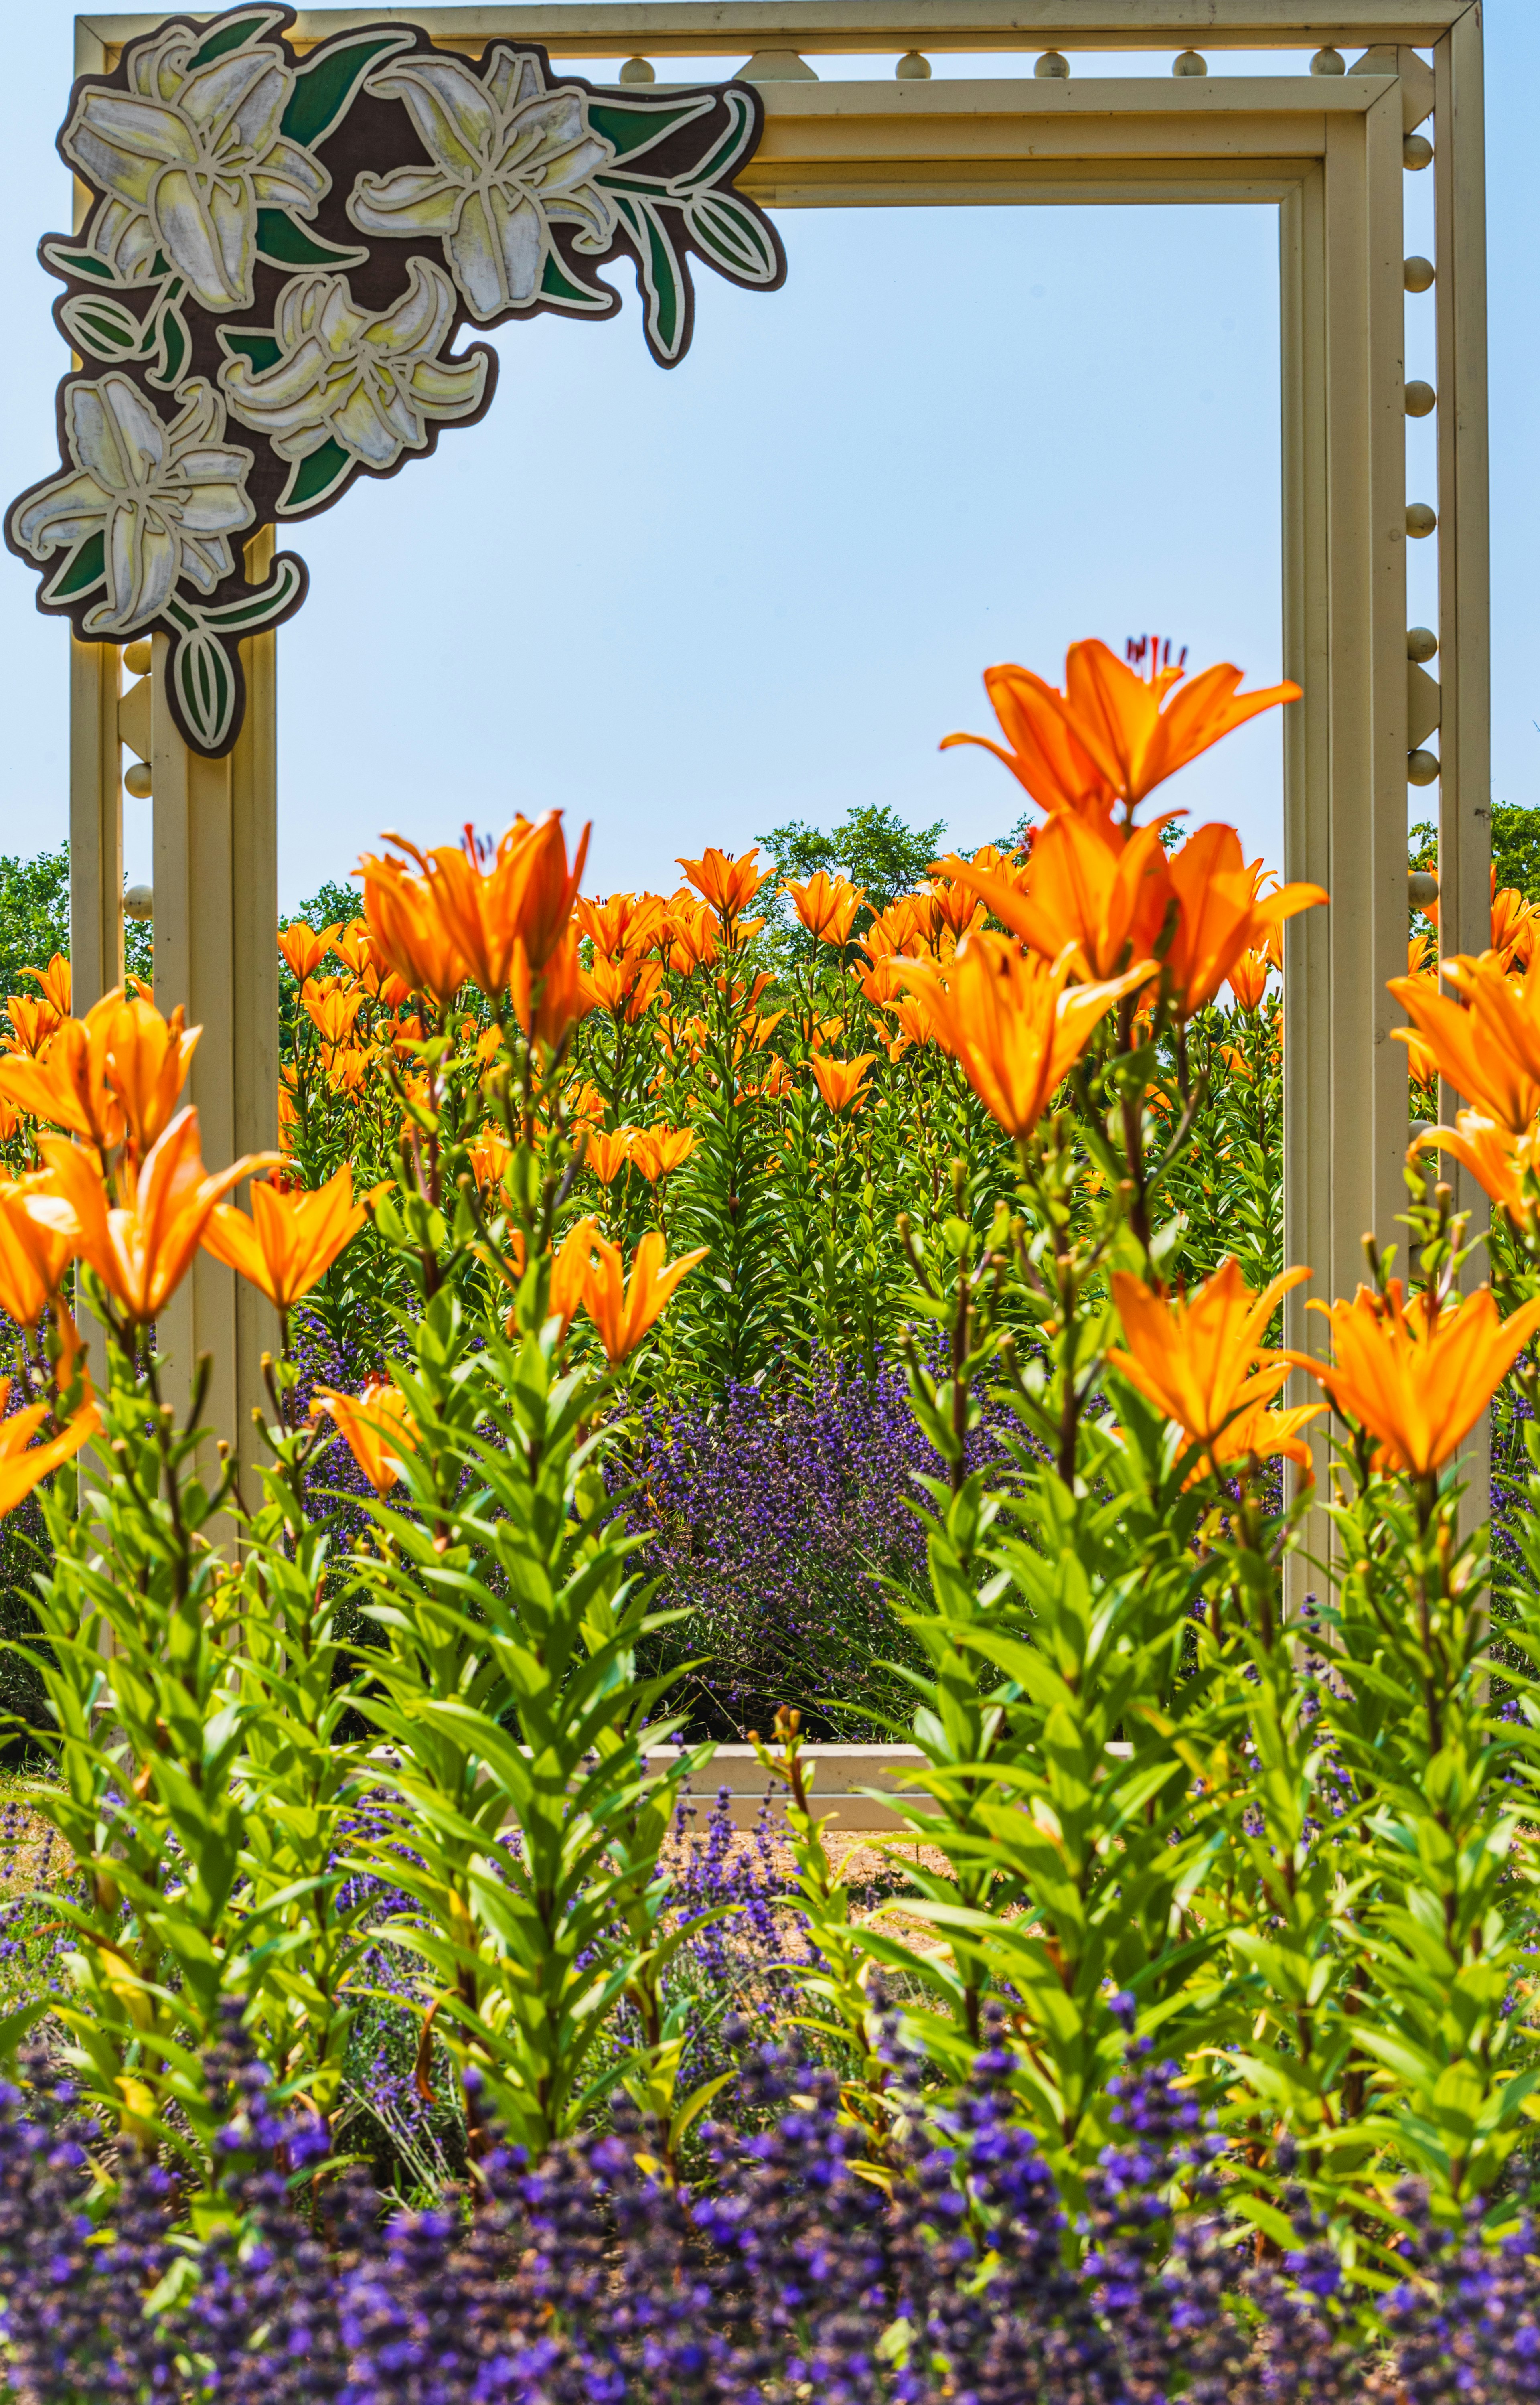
269 287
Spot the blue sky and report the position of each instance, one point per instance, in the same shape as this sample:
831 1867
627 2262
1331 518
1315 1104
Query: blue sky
763 585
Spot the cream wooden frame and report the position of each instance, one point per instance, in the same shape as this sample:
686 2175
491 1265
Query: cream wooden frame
1327 151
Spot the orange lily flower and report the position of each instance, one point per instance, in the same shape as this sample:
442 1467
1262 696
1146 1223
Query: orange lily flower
1113 735
1220 913
521 898
913 1013
289 1117
354 947
729 883
1416 1378
303 949
54 984
376 1426
1419 958
23 1464
1201 1359
657 1152
1248 980
626 923
490 1153
1488 1046
345 1066
70 1087
33 1020
1016 1024
33 1259
565 995
841 1082
825 904
1513 925
1258 1433
146 1060
406 933
141 1250
290 1240
1505 1165
957 907
333 1015
688 935
902 926
570 1269
1087 887
624 1312
609 1151
625 985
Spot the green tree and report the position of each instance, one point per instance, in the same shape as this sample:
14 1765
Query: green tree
1515 847
331 905
873 847
34 915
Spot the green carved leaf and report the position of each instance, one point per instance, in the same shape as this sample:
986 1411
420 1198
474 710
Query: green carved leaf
734 143
101 329
175 347
70 261
255 610
312 479
660 275
285 243
631 126
251 342
250 25
324 86
84 567
556 285
205 681
733 236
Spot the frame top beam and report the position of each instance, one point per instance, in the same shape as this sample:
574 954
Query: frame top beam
703 28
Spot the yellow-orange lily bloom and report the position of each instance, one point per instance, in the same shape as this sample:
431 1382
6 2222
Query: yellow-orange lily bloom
146 1060
1247 980
840 1083
623 1311
303 949
69 1087
521 897
608 1152
825 904
1513 926
1220 913
23 1464
332 1014
1087 886
1201 1358
657 1152
406 930
54 984
1418 1379
1499 1161
291 1238
490 1153
33 1259
1488 1045
548 1002
1113 733
624 925
569 1268
729 883
376 1427
1015 1025
143 1249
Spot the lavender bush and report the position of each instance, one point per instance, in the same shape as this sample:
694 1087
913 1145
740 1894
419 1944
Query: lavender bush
776 1518
801 2270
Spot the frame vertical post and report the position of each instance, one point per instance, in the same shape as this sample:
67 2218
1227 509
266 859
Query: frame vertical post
215 915
1464 571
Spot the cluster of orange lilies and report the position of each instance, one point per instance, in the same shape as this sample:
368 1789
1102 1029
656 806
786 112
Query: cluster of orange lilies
1484 1040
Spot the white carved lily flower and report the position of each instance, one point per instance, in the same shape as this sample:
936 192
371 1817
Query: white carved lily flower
370 382
509 156
164 498
187 156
